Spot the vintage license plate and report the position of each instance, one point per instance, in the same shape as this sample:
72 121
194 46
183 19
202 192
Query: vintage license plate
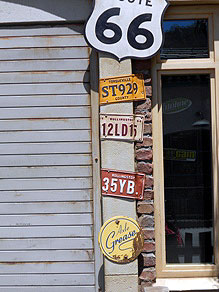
122 88
122 184
121 127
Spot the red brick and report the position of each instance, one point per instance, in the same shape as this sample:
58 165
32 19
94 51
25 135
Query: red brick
145 168
149 259
145 208
148 195
148 117
148 274
147 141
149 246
149 182
148 233
144 105
146 221
148 90
147 128
144 154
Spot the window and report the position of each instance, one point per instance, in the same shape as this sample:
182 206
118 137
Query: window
185 133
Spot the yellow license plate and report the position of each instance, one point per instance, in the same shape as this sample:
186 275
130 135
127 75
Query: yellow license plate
122 88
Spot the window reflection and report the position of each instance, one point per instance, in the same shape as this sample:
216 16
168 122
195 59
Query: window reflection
187 168
185 39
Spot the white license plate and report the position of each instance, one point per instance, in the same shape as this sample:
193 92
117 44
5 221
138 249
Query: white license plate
121 127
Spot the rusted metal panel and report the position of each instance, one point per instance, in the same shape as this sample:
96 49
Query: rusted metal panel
70 207
46 208
45 113
45 160
48 288
45 148
122 184
43 77
46 243
46 136
46 226
48 220
49 280
43 41
47 255
45 184
44 65
45 124
41 88
41 53
47 268
45 171
45 232
36 30
45 196
45 101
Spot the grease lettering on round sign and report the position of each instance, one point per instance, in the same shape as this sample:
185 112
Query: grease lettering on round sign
121 239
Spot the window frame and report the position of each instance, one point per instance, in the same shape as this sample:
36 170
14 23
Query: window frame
186 66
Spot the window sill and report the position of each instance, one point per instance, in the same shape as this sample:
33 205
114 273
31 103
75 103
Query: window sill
189 284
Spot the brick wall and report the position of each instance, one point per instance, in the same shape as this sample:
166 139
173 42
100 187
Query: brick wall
144 163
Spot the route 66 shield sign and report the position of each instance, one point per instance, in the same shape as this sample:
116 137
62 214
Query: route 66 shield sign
126 28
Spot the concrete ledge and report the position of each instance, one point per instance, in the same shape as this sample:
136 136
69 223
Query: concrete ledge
156 289
189 284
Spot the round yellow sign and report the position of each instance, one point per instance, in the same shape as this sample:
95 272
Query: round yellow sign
121 239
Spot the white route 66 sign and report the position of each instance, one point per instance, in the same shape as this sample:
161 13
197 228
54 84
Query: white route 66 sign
126 28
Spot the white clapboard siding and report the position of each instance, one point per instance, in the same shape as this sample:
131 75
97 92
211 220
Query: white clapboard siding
45 136
45 184
42 41
45 124
46 207
35 30
47 288
46 219
50 268
42 88
45 112
45 148
48 256
45 196
45 160
46 232
46 203
42 53
53 279
36 172
46 243
43 77
44 100
44 65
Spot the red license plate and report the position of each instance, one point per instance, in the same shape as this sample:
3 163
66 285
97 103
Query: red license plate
122 184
